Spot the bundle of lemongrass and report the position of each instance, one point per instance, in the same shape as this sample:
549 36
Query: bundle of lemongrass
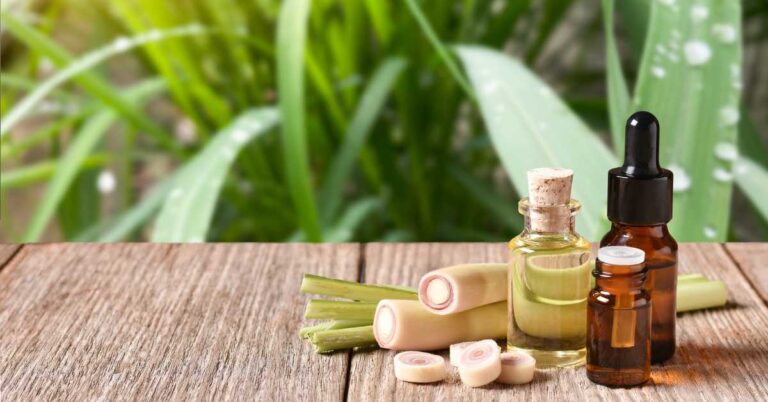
453 304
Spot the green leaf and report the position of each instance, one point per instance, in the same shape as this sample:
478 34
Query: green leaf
752 180
84 63
618 94
689 78
368 108
76 153
188 208
42 171
291 39
442 51
91 82
531 127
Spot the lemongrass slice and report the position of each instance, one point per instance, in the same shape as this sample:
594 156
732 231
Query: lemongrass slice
419 367
516 368
480 363
407 325
455 351
462 287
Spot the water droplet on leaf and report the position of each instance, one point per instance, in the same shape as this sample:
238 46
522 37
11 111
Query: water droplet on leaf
697 52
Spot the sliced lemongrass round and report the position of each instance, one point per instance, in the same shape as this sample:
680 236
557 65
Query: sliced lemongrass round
516 368
456 350
480 363
419 367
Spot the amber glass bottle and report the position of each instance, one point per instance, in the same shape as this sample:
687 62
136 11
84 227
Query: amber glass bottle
619 319
640 206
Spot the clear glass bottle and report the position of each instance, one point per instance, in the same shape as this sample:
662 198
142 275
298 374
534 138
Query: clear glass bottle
549 281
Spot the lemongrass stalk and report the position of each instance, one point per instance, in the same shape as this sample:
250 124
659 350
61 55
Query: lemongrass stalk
338 339
339 310
323 286
307 332
697 295
462 287
407 325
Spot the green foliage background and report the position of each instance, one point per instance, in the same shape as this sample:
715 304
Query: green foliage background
328 120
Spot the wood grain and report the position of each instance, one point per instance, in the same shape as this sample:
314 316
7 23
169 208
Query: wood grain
752 259
165 322
7 251
722 353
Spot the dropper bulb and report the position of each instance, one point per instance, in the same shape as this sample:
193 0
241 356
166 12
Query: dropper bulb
641 146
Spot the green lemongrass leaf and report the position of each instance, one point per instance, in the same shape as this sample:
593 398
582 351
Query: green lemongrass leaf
369 107
188 209
690 79
502 209
84 63
531 127
330 287
752 180
308 332
291 39
618 94
31 140
321 309
354 215
91 82
380 14
442 51
339 339
42 171
77 151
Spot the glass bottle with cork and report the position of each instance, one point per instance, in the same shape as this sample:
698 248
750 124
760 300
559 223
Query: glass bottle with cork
639 207
619 319
549 274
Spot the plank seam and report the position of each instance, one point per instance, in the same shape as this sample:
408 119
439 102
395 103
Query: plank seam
11 258
361 279
743 273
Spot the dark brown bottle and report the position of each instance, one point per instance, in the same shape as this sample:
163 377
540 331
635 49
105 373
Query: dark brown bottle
640 206
619 319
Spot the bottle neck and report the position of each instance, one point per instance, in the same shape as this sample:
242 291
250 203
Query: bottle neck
556 221
620 278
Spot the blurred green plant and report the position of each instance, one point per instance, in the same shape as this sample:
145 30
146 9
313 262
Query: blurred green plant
380 134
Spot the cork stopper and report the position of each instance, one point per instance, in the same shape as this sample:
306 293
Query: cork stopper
549 192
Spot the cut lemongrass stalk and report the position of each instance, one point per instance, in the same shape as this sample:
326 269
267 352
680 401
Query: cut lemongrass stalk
307 332
516 368
339 339
697 295
419 367
339 310
480 363
352 290
462 287
407 325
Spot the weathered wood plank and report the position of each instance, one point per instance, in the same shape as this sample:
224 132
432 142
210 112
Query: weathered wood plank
722 354
6 252
752 259
165 322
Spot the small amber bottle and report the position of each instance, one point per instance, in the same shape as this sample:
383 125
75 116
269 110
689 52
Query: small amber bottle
619 319
640 206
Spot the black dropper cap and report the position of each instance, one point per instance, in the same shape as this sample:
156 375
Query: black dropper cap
640 191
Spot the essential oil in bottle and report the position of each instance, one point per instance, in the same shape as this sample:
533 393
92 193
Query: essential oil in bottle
639 207
619 319
549 274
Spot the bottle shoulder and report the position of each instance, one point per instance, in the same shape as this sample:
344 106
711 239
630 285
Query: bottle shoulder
656 241
533 243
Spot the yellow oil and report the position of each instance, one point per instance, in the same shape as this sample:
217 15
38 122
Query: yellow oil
549 281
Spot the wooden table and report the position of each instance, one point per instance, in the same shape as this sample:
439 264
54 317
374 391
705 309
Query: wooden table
219 321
